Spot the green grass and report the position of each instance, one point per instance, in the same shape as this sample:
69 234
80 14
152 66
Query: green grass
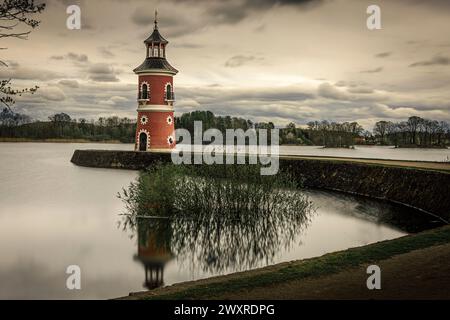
373 162
324 265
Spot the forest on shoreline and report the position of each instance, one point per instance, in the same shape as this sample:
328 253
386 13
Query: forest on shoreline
61 127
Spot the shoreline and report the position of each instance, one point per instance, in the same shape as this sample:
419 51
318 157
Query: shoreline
335 275
55 140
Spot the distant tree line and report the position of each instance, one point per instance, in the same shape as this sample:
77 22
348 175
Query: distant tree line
222 123
415 132
62 126
334 134
209 120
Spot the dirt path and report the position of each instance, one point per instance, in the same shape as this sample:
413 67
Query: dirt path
441 166
419 274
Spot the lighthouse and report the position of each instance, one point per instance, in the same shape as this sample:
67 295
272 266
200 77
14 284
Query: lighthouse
155 121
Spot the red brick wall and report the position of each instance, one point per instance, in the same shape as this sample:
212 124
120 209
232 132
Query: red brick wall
156 87
158 129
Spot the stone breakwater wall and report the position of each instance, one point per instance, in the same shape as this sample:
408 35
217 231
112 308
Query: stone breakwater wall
428 190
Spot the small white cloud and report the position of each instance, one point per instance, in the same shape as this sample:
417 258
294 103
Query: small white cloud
51 94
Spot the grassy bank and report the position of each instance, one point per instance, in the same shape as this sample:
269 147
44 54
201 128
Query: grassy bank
328 264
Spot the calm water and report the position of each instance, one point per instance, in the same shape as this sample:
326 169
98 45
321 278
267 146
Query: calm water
54 214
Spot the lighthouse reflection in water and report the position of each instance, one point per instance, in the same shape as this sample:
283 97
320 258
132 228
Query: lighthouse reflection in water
153 243
214 248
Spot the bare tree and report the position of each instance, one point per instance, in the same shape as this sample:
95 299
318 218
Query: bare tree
381 129
443 129
393 130
16 14
413 124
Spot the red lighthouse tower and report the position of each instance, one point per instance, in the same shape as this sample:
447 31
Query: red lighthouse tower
155 122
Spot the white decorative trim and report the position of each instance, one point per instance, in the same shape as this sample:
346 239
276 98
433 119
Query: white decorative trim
165 92
169 120
170 140
144 120
155 107
161 150
148 91
148 138
150 72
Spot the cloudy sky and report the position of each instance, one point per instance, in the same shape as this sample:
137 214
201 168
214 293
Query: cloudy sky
265 60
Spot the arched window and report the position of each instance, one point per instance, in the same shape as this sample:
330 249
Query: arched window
144 91
143 141
169 94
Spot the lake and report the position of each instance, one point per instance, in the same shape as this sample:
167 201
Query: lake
54 214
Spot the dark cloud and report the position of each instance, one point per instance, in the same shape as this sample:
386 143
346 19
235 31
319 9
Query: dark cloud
106 53
173 25
383 54
230 12
376 70
343 83
435 61
240 60
102 72
255 4
142 17
69 83
260 28
186 45
77 57
361 90
433 4
329 91
227 14
216 93
72 56
215 13
16 71
65 2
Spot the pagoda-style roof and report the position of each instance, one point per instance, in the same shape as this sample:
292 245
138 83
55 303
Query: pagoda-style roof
155 64
156 38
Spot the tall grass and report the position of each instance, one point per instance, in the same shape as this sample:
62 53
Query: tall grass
221 216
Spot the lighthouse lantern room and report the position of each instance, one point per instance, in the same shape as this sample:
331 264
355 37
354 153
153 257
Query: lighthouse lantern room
155 122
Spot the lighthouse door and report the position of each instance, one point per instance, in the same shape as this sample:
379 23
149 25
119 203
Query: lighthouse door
143 141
